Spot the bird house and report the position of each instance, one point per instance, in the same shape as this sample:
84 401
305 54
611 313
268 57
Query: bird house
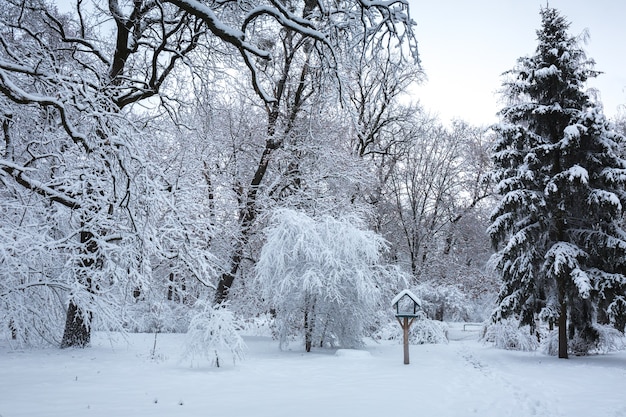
406 304
408 308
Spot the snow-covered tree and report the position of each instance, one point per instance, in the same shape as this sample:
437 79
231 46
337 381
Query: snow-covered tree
557 229
322 277
213 336
433 186
310 58
69 84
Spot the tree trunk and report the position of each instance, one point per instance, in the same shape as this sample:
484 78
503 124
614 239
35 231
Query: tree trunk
227 278
309 321
13 329
77 330
563 330
439 312
307 333
248 210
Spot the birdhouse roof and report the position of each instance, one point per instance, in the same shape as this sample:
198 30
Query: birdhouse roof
408 293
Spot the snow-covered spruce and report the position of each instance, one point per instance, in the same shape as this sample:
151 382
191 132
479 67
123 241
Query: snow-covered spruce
558 227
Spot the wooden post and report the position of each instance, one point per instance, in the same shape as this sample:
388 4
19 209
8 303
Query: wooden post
407 306
405 328
406 325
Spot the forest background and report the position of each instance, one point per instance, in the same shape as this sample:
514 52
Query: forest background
155 161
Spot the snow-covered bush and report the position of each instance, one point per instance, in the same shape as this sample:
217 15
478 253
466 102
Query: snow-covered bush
213 336
156 317
426 331
261 325
507 334
322 277
443 302
422 331
24 322
608 340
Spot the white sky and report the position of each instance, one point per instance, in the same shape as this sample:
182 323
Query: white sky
465 46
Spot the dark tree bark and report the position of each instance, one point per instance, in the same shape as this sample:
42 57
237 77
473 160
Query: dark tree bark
563 331
308 333
77 330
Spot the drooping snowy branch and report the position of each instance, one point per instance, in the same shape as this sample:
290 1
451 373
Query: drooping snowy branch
321 277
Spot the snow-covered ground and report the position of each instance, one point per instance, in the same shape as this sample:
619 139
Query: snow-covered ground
462 378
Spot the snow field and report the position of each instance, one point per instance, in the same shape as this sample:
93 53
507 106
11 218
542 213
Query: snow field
462 378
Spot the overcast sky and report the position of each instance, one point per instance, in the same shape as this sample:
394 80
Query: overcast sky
465 46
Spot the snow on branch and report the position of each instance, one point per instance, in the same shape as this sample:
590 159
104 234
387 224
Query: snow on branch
573 131
519 240
213 336
39 187
235 37
578 174
614 176
546 72
564 258
520 198
16 94
582 282
574 175
371 25
26 286
603 198
323 270
286 19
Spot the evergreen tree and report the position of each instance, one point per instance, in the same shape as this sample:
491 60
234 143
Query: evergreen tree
557 230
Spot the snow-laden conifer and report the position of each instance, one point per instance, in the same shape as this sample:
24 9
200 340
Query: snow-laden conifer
557 229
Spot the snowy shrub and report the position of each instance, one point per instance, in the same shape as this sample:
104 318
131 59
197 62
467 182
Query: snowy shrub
261 325
608 340
157 317
443 302
25 324
616 312
550 345
321 276
507 334
422 331
32 281
481 307
389 331
426 331
213 336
